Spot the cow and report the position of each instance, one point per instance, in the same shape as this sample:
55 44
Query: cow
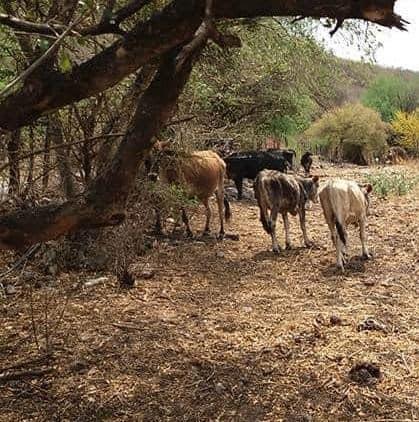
307 161
345 202
201 174
247 164
397 155
283 194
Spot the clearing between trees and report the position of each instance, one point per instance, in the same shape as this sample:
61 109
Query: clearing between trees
227 330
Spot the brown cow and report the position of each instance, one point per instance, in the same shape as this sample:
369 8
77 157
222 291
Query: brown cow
200 173
284 193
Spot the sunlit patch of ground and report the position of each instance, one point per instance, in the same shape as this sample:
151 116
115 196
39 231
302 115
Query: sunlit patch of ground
228 331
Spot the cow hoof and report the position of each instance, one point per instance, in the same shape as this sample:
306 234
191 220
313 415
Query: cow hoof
220 236
276 251
189 234
288 246
309 244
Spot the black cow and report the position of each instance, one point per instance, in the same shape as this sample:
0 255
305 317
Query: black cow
307 162
247 165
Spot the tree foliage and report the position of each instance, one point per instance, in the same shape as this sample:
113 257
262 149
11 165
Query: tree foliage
389 94
353 133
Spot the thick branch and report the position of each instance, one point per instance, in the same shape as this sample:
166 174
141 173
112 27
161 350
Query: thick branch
174 25
104 204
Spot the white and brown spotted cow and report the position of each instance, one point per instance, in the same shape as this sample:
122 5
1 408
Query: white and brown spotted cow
345 202
283 194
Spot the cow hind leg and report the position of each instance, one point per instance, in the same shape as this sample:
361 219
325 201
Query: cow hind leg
287 230
239 185
220 204
275 246
185 220
207 216
302 217
363 235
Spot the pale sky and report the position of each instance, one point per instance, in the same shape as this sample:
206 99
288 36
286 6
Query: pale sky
400 48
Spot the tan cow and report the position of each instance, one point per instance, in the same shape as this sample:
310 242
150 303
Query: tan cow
201 174
345 202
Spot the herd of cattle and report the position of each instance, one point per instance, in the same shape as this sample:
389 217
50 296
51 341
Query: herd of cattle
277 191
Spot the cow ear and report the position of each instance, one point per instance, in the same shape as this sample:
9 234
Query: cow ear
368 187
315 179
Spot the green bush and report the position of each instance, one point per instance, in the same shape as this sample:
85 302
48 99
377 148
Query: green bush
351 133
389 94
388 183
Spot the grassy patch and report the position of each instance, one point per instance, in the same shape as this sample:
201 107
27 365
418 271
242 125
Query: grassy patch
388 183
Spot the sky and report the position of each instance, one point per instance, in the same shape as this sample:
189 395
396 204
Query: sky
400 48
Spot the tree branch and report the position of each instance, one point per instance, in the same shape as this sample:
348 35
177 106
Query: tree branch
174 25
104 204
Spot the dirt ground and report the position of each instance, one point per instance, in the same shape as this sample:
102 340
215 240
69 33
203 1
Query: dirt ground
226 331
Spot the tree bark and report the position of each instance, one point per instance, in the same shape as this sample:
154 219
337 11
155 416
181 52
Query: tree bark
13 147
62 157
104 204
174 25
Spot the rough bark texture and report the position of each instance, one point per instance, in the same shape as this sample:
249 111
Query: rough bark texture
62 157
104 205
13 147
174 25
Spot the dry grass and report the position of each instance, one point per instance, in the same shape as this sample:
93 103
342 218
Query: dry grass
227 331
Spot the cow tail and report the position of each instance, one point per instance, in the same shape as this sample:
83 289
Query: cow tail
266 223
227 209
340 231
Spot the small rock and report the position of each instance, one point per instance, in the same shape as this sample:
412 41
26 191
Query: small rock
147 274
370 324
95 281
219 388
220 254
335 320
232 236
247 309
10 289
365 373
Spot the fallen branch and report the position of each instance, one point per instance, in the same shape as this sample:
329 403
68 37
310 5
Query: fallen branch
34 373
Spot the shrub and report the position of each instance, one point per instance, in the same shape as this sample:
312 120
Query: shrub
388 183
406 125
352 133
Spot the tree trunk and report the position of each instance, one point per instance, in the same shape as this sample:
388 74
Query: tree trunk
47 158
63 158
122 115
13 147
104 204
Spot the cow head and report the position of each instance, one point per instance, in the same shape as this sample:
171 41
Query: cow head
366 190
313 194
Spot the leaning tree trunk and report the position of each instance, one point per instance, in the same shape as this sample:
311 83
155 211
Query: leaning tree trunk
13 147
122 115
104 203
62 157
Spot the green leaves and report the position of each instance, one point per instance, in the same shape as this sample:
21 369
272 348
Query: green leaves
64 62
389 94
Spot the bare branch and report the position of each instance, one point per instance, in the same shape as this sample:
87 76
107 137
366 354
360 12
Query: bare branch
37 63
